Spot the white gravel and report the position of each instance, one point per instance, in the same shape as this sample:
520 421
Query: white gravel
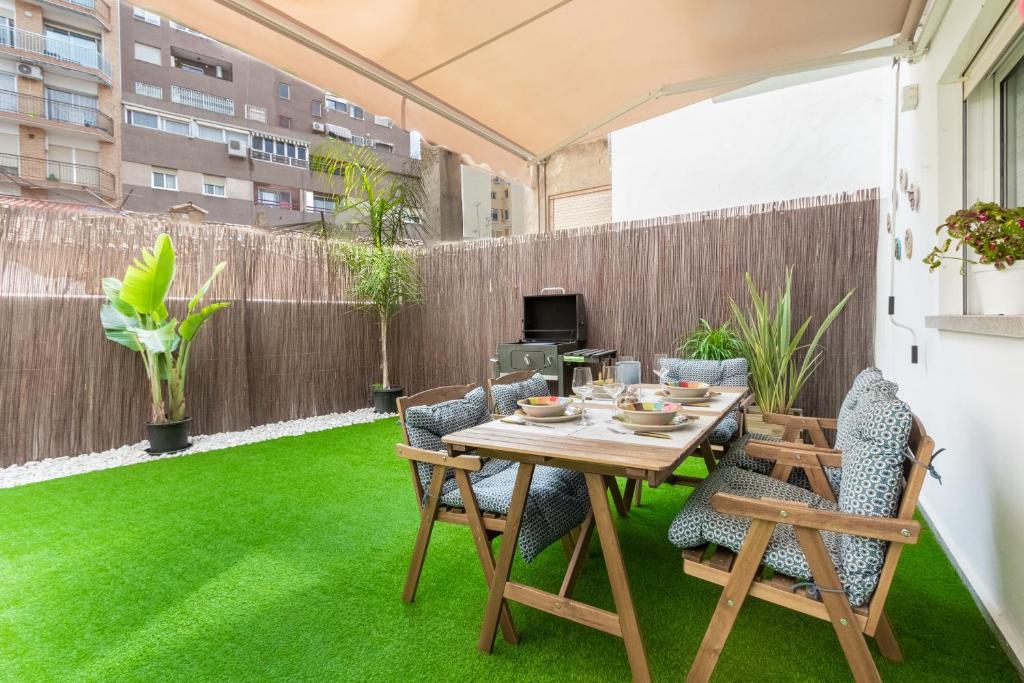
52 468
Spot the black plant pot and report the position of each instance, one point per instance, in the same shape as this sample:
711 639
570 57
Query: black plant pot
386 400
167 437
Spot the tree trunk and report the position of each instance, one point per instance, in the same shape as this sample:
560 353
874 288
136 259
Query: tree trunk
384 350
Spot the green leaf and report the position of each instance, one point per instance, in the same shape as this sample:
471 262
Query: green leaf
201 292
112 290
190 325
148 280
163 339
118 327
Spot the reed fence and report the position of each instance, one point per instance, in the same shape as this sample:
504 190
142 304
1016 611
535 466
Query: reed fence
292 346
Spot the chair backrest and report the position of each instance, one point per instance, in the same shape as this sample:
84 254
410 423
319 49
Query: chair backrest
914 471
504 392
426 398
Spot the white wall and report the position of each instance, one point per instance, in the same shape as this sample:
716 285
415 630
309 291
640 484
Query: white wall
967 388
812 139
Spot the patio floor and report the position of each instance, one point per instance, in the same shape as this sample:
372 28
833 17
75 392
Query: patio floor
285 560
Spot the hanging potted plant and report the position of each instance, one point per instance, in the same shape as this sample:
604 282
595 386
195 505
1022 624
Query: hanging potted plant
780 361
995 236
384 277
136 317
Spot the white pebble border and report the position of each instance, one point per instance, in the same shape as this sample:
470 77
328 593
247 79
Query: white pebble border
53 468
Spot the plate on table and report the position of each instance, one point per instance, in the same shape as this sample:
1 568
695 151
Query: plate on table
687 401
678 423
571 413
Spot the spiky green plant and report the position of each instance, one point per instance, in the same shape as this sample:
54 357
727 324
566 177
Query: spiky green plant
711 343
779 365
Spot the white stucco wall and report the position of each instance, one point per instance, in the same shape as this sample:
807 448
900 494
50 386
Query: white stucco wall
812 139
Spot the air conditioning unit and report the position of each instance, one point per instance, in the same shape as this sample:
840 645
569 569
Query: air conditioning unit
237 148
30 71
318 126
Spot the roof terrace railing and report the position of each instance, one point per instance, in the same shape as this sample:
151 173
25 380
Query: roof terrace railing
47 170
52 110
60 49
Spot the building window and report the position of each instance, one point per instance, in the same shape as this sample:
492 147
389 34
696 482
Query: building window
494 195
506 194
142 119
149 90
384 146
277 198
358 141
202 100
209 133
165 179
255 113
185 29
284 91
148 53
383 121
200 65
323 202
494 214
71 46
316 108
284 121
146 16
279 151
505 214
356 112
175 126
337 104
213 186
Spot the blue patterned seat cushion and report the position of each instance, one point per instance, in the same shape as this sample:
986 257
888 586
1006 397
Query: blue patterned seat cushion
872 476
557 503
737 456
506 397
864 381
558 499
725 373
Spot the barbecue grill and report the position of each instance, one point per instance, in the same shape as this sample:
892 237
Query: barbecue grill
554 332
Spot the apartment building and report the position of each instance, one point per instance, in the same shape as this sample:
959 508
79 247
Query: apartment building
208 124
60 107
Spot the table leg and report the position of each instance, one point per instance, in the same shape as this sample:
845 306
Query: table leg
613 487
709 455
617 577
579 553
509 540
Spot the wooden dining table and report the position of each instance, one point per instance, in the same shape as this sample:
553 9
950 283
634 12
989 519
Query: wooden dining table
589 446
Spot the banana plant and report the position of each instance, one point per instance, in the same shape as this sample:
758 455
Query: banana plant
136 317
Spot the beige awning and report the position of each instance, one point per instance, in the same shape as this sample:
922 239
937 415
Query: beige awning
507 83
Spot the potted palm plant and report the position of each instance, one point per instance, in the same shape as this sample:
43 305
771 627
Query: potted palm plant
136 317
780 361
995 236
384 277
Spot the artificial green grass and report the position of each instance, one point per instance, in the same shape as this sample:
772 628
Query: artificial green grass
285 560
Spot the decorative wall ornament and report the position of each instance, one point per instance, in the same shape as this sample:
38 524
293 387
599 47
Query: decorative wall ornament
897 249
888 223
914 197
903 179
908 243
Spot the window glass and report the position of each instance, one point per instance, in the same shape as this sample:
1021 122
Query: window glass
357 112
284 91
210 133
284 121
165 180
316 108
213 186
1012 171
139 118
148 53
146 16
323 202
176 127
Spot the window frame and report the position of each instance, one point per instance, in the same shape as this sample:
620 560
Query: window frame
287 90
165 173
316 108
135 53
222 185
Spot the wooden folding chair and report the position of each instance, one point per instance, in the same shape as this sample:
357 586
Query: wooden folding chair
510 378
742 574
485 526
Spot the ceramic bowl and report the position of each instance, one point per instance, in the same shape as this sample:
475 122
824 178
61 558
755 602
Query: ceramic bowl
656 413
686 389
545 406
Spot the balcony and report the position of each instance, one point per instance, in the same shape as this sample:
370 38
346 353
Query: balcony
99 10
44 173
260 155
48 113
57 52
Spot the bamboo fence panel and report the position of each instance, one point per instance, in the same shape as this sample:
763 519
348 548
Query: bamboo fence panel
292 346
646 282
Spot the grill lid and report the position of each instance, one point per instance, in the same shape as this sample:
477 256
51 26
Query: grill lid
554 318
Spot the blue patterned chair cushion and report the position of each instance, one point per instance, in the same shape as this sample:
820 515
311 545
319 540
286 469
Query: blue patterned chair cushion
426 425
726 373
872 481
506 397
557 503
698 523
864 381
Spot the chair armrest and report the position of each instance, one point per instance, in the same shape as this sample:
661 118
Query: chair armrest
800 421
462 462
793 453
798 514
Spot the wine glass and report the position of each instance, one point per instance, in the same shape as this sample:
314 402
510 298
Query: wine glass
583 386
659 367
616 383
